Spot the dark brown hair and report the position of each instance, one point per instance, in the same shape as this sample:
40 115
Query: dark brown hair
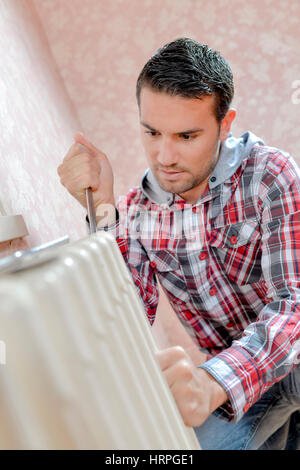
190 69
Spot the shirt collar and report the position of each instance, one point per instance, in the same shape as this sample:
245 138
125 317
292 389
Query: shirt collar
231 154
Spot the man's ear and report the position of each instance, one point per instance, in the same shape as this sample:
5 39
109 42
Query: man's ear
226 124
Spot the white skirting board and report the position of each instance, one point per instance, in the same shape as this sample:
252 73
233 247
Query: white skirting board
80 370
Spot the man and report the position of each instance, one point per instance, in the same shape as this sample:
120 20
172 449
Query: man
222 237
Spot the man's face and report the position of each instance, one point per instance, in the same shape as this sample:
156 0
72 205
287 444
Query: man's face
181 137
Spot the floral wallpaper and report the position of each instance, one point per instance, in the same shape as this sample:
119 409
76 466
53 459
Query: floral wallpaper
100 48
71 65
37 123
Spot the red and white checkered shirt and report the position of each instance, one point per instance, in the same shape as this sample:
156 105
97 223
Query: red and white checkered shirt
230 266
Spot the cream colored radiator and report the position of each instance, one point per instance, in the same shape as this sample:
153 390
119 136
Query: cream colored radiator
79 369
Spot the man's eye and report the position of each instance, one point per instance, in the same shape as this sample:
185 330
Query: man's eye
153 133
187 136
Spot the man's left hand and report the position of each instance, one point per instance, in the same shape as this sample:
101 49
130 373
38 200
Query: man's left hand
196 392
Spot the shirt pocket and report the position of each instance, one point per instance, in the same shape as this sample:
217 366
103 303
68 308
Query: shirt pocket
164 261
167 267
235 248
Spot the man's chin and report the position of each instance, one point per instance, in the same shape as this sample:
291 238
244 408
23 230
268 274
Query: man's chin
172 187
179 185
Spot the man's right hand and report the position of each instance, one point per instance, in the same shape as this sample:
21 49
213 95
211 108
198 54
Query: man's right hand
86 166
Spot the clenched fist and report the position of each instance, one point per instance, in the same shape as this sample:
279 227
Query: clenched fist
196 392
86 166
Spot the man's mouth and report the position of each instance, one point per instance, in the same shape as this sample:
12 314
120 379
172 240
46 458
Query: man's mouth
171 174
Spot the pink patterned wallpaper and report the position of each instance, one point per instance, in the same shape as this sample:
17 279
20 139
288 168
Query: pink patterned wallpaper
66 61
37 125
100 47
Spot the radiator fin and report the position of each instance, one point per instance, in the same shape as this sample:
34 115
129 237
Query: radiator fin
80 369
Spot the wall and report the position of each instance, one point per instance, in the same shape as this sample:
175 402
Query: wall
101 46
82 57
37 123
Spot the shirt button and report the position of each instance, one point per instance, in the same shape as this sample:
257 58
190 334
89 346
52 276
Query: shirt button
213 179
233 240
153 265
203 255
213 291
230 324
246 407
195 209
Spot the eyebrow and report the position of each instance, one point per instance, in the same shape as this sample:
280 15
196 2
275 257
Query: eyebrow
189 131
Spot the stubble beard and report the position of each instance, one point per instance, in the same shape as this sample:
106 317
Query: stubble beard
191 181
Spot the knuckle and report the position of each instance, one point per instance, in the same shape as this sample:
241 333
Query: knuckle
185 369
188 373
192 408
190 414
179 352
61 171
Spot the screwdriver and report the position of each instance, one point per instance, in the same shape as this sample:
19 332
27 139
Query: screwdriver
91 210
90 204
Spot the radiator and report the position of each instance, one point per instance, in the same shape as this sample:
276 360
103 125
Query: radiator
80 370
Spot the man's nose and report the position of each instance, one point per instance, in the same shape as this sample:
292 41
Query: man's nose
167 154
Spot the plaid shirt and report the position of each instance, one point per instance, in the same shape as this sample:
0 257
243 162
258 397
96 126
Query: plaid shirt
229 265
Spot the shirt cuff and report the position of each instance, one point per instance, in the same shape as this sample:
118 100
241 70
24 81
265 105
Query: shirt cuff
239 376
106 228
